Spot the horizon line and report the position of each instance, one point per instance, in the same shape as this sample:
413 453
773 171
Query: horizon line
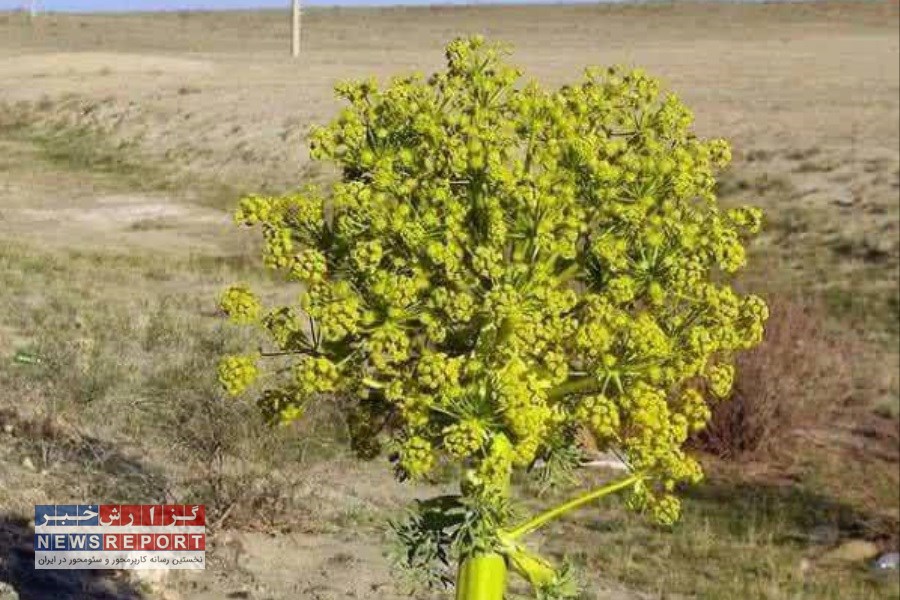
406 4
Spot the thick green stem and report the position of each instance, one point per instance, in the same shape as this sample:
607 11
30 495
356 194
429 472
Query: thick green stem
482 577
554 513
568 273
574 386
507 328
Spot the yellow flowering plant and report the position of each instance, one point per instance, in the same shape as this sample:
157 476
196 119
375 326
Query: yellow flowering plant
500 269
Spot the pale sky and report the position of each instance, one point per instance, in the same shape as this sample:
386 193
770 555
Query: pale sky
152 5
126 5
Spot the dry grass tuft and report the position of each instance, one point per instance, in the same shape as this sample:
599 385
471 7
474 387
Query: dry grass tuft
793 380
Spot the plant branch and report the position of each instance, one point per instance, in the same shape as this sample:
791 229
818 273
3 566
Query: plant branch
303 351
574 386
556 512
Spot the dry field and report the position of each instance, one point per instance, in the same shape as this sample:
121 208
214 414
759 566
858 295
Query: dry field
124 141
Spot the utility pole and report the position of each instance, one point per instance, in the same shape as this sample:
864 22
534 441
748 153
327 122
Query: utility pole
295 28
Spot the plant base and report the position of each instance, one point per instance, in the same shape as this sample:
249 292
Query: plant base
482 577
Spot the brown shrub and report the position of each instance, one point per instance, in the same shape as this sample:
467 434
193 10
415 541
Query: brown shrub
793 380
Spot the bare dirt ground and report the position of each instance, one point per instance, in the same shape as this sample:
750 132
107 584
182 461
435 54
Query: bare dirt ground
123 138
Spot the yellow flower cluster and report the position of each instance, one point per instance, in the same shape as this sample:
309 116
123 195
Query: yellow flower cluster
746 217
253 209
416 456
694 409
521 398
490 478
500 267
336 307
309 266
665 509
457 307
367 255
316 375
439 374
237 373
282 406
602 417
464 438
415 410
240 304
278 249
388 345
721 378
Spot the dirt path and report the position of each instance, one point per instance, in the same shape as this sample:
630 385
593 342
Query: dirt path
54 206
